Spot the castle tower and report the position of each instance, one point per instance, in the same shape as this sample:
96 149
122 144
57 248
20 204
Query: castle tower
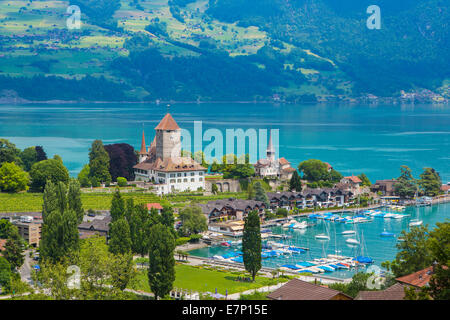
168 138
143 153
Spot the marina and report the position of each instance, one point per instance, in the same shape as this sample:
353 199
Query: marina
350 248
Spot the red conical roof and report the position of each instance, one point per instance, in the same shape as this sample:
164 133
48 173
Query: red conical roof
143 147
167 123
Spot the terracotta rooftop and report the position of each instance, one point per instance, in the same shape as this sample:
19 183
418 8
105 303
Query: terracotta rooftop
167 123
154 206
297 289
354 179
395 292
417 279
169 165
283 161
2 244
445 187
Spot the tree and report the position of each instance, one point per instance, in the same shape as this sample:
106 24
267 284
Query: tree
28 157
120 238
5 227
313 170
430 182
9 152
439 245
413 254
51 169
122 158
60 237
5 274
214 189
193 220
121 271
251 243
250 192
358 283
12 178
117 206
365 180
295 183
260 194
161 270
406 185
167 218
13 252
74 199
99 162
122 182
41 155
83 176
139 229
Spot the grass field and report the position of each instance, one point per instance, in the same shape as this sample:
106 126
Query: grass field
202 280
32 202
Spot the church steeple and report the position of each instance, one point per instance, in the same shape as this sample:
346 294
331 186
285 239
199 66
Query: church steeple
143 146
270 151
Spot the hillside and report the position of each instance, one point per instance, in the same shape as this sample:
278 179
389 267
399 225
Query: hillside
205 50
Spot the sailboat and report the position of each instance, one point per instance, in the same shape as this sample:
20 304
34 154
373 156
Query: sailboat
348 232
415 222
352 241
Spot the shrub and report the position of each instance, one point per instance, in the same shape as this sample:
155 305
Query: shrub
182 240
195 238
282 212
122 182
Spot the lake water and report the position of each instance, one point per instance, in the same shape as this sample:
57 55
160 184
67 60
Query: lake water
375 140
373 245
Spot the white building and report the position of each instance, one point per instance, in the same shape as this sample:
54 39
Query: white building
163 164
272 167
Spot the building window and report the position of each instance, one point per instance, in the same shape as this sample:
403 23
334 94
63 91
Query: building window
192 180
173 175
200 173
179 180
200 179
173 180
192 173
185 180
178 174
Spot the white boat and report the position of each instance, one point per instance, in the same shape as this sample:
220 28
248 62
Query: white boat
352 241
389 215
398 216
348 232
415 223
300 225
322 236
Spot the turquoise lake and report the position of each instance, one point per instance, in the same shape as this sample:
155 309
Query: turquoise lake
372 139
373 245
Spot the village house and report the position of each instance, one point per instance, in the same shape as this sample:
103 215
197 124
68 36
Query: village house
231 209
30 232
297 289
156 206
95 227
385 187
163 164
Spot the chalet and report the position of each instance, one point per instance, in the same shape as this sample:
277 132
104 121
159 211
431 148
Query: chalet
156 206
386 187
353 181
297 289
96 226
231 209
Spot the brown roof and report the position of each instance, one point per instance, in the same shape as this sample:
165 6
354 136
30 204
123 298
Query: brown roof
445 187
288 169
154 206
167 123
2 244
417 279
169 165
395 292
354 179
297 289
283 161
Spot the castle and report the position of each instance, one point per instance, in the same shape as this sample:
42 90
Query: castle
163 164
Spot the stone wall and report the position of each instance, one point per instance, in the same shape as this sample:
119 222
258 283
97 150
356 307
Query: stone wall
224 185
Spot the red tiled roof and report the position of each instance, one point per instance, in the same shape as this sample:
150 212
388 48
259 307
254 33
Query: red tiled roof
167 123
169 165
154 206
328 166
2 244
283 161
354 179
445 187
417 279
394 292
297 289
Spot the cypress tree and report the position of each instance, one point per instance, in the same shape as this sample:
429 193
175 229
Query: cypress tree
117 206
295 183
60 228
120 238
99 163
251 244
74 199
260 194
13 252
161 270
139 230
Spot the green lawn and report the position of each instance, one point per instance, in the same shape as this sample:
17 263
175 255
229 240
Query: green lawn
30 202
201 280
